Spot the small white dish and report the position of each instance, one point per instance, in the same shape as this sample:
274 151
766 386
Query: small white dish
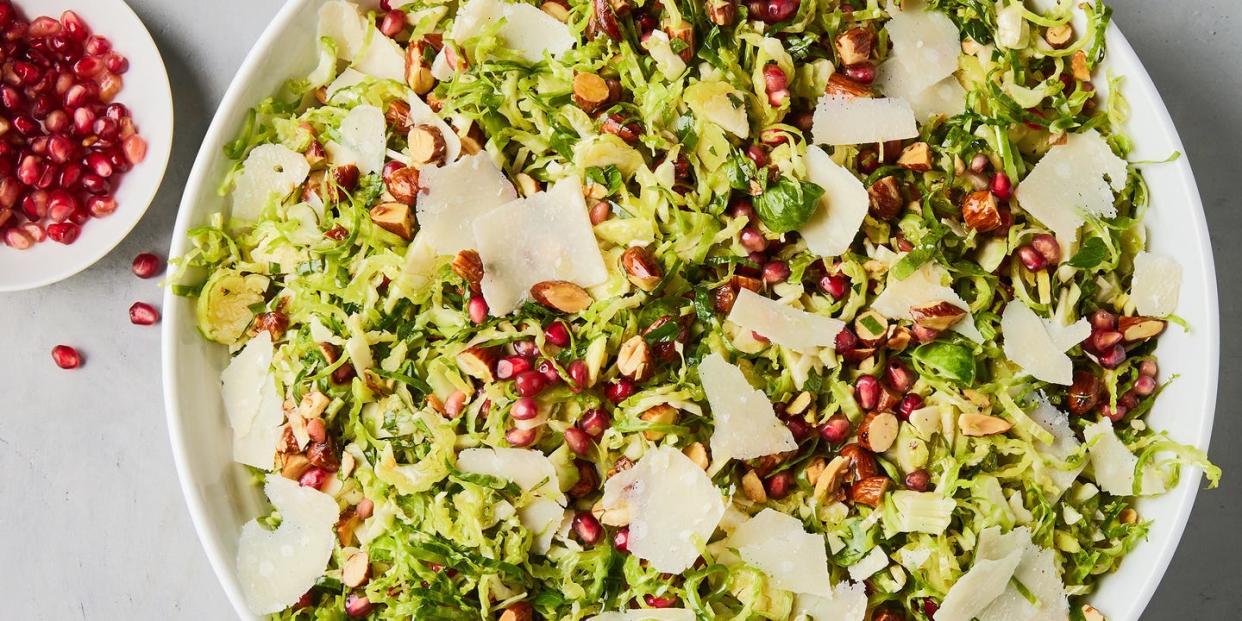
222 497
149 98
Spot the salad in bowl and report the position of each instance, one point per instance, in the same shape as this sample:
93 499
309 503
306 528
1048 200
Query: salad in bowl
668 310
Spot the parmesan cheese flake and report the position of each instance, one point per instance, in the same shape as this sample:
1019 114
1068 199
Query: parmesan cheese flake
784 325
1073 180
842 208
453 196
275 568
1038 345
857 120
779 546
924 286
526 29
746 426
1156 284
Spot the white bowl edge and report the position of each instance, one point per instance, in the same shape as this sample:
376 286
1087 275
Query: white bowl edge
220 498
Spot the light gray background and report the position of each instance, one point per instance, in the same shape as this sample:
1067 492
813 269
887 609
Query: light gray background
92 524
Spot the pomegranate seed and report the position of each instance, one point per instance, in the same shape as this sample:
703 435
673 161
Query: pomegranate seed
43 27
548 369
75 26
776 272
34 231
595 422
455 404
1104 340
83 118
800 429
1031 259
587 528
526 348
908 405
88 67
509 367
30 169
530 383
35 205
106 129
779 485
1103 320
101 206
578 441
358 605
1129 400
520 438
863 73
1113 357
66 357
835 430
837 286
1145 385
97 45
1048 247
1149 368
477 309
11 99
579 375
77 96
621 540
619 390
846 341
116 64
776 83
18 239
930 607
918 480
110 83
667 601
59 149
64 232
898 376
600 212
364 509
392 23
525 408
60 205
867 392
752 240
557 334
1113 414
118 112
1002 187
778 10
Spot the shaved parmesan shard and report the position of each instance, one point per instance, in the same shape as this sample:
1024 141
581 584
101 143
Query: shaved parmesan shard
1038 345
835 223
1156 285
422 114
535 474
348 78
925 285
784 325
858 120
867 566
252 403
556 243
525 29
673 508
1072 181
946 97
717 101
363 140
270 171
661 49
994 565
848 603
927 43
778 545
359 42
653 614
1064 445
1037 571
746 426
276 567
1112 463
455 195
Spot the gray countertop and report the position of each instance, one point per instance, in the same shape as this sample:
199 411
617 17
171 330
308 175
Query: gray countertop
93 525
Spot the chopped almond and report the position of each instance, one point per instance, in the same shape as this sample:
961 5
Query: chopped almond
396 218
561 295
427 146
916 157
590 92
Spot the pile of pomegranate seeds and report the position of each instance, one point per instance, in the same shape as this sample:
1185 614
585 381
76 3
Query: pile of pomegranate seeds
64 143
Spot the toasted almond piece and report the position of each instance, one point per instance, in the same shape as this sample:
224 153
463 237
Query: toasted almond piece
800 403
590 92
899 338
479 362
916 157
871 327
345 527
521 611
427 146
396 218
842 86
752 487
315 155
620 515
561 295
861 461
527 186
870 491
641 268
697 454
878 431
469 266
1138 329
402 184
347 465
472 140
981 211
1079 66
634 359
1058 37
397 114
978 425
557 10
886 200
1129 516
854 46
832 477
721 12
939 315
313 404
813 469
723 298
683 32
294 465
1089 613
663 414
356 570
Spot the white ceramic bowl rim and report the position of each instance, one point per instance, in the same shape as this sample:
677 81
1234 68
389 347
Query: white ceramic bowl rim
148 95
1125 594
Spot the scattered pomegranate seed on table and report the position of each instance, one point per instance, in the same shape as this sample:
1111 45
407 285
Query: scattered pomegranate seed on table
64 143
143 314
66 357
147 265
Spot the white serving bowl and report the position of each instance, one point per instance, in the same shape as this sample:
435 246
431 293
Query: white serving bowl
221 499
149 99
